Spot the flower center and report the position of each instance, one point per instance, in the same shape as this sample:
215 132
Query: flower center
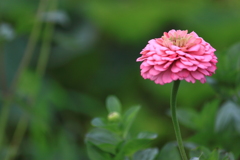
179 40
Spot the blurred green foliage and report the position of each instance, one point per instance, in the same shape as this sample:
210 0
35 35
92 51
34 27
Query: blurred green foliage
93 51
111 139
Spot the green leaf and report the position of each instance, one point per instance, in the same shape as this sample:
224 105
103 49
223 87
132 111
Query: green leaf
134 145
57 94
229 156
147 154
103 123
214 155
228 115
169 152
66 147
6 32
128 119
200 152
131 146
187 117
99 122
226 155
233 56
207 116
113 104
147 135
95 153
104 139
29 84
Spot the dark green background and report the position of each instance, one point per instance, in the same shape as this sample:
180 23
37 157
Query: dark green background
93 55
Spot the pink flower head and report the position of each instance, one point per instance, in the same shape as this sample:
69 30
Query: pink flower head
177 55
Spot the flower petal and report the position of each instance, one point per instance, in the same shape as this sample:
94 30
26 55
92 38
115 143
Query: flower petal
175 69
197 75
177 55
153 72
166 78
183 73
194 48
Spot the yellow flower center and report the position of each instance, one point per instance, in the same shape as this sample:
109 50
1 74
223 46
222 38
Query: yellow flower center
180 41
176 40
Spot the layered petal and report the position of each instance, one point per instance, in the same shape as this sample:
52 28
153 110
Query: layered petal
177 55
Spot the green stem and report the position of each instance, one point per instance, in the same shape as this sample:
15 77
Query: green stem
17 137
23 122
3 79
3 120
46 45
175 120
22 125
30 46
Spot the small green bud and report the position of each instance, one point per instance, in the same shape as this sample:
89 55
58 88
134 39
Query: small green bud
194 158
114 116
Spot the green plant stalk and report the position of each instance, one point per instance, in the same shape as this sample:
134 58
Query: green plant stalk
23 65
46 46
41 66
31 44
3 119
5 95
3 79
45 50
175 120
22 125
17 137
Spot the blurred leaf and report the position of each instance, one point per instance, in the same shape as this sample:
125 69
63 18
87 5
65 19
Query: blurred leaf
169 151
99 122
233 56
104 139
103 123
227 156
229 67
187 117
147 154
207 116
228 115
191 119
133 145
66 148
113 104
75 42
213 155
200 152
56 94
21 13
29 84
95 153
128 118
39 131
147 135
6 32
58 17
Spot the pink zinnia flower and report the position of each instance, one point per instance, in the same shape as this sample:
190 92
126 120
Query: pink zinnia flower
177 55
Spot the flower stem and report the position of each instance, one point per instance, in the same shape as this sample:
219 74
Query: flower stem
175 120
